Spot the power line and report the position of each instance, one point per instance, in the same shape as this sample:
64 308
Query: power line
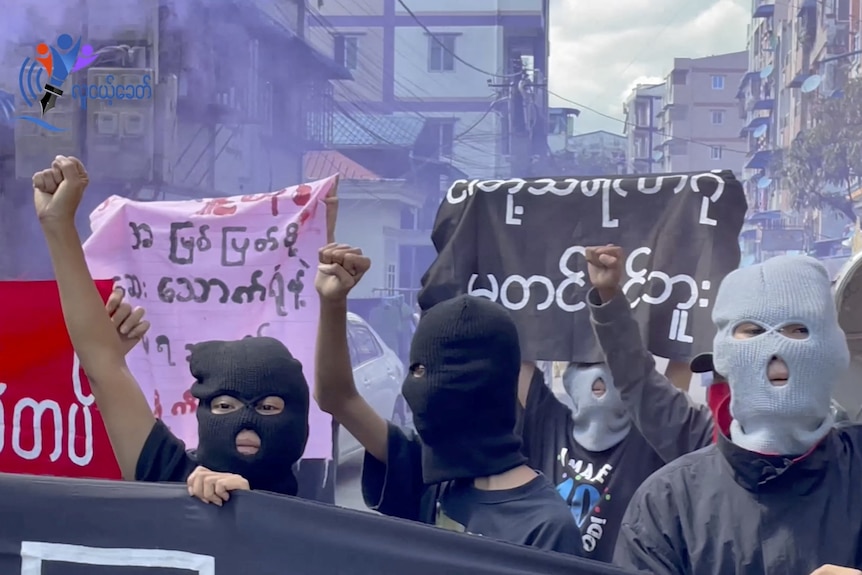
446 48
372 63
659 131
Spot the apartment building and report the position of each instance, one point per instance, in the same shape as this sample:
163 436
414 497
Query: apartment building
642 129
603 144
428 103
698 121
798 51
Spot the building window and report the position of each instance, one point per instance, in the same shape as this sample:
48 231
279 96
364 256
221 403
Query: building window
718 82
347 51
390 279
679 77
441 52
443 136
717 117
715 152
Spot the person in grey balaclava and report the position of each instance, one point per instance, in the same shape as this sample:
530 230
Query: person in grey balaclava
781 367
599 418
586 442
781 493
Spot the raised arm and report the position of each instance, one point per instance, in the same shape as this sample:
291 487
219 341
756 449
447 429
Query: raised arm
668 419
340 269
57 193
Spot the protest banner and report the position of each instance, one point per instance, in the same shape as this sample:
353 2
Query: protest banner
49 423
85 527
215 269
522 243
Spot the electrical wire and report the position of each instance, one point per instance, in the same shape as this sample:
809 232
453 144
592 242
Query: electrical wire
371 62
659 131
446 48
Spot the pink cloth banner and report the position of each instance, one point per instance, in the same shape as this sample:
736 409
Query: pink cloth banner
221 268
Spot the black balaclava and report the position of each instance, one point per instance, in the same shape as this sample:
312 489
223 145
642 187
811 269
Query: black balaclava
464 405
251 369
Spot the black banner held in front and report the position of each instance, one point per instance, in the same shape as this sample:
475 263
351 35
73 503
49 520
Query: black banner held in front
521 243
58 526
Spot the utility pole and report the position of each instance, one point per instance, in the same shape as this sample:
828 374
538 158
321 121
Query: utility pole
526 117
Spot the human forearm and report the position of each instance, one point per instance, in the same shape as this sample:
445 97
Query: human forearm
334 383
666 417
93 335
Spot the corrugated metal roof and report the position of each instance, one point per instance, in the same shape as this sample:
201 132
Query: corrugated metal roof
358 129
319 165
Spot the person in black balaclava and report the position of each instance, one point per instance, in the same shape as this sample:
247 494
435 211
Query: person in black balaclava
253 412
252 390
252 422
463 470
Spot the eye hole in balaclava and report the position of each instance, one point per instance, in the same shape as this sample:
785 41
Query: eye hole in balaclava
749 330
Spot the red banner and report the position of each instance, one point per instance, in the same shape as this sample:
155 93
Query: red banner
49 423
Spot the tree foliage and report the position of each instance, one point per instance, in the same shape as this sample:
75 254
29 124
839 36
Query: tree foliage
825 160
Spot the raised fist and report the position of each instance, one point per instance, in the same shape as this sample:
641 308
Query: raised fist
340 269
605 267
57 191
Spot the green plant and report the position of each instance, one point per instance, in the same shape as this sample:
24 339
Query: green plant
823 164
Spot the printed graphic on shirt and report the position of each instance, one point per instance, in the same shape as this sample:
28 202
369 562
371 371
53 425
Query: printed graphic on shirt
583 488
446 522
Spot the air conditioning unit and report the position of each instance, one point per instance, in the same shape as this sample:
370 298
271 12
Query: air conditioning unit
120 106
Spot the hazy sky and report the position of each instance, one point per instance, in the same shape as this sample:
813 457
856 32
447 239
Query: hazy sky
601 48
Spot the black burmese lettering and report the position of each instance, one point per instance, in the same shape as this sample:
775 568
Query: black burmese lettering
163 345
198 241
142 235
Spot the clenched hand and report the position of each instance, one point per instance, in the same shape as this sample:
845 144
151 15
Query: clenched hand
605 267
340 269
57 191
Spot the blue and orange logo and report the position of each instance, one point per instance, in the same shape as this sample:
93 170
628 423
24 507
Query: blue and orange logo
41 79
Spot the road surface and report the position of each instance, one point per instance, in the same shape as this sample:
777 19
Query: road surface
347 489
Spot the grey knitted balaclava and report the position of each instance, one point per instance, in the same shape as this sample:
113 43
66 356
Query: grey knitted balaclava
784 290
600 423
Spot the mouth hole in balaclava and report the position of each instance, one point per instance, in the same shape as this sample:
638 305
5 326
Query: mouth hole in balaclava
599 388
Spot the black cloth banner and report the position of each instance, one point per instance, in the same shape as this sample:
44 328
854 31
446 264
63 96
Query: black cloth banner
54 526
521 243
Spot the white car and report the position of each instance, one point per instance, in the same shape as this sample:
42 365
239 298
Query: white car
378 373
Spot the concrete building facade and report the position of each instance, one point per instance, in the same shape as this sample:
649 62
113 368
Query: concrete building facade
698 121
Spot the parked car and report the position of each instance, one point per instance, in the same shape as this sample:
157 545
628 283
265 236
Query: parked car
378 373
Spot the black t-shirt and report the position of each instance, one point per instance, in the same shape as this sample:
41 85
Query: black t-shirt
164 459
597 486
527 515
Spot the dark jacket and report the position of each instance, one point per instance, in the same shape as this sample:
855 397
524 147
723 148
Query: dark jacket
719 509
